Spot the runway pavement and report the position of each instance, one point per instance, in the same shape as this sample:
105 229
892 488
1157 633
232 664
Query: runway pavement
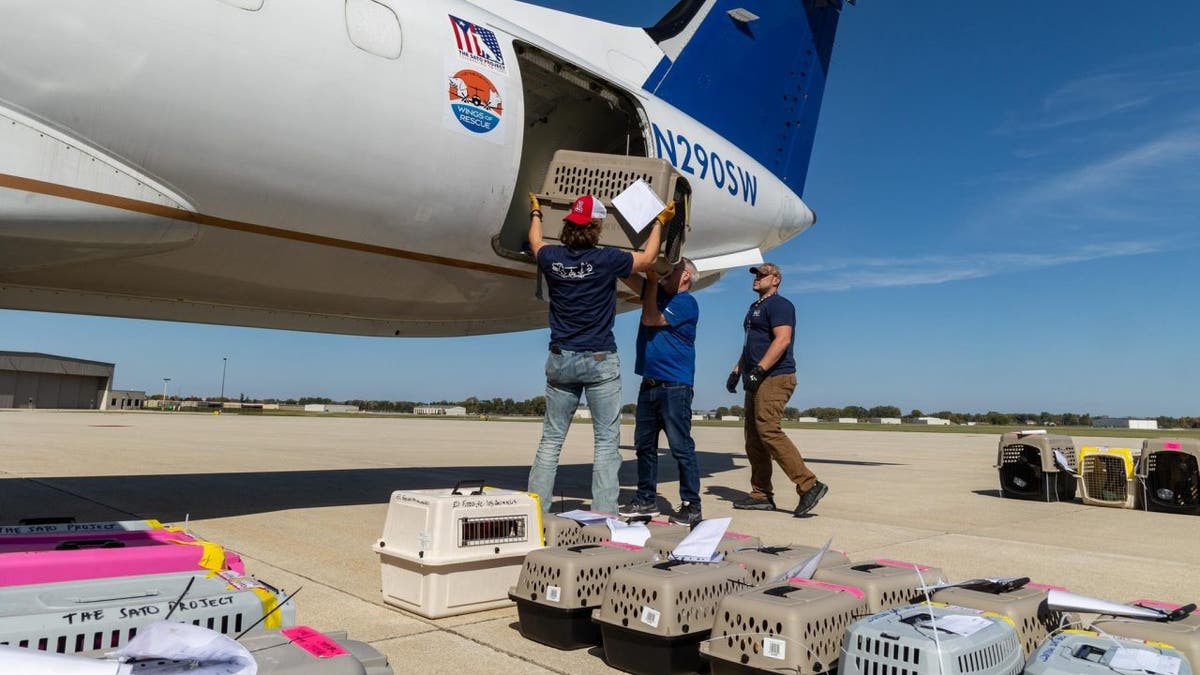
303 498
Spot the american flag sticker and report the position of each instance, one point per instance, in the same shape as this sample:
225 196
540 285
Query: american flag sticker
477 44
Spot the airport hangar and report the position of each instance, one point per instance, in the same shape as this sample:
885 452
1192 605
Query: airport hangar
35 380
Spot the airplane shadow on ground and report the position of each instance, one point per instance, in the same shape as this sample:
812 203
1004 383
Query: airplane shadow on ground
172 497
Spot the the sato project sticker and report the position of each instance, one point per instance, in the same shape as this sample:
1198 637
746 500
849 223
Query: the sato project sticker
553 593
650 616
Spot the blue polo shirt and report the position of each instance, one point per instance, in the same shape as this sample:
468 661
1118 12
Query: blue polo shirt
761 319
668 353
583 295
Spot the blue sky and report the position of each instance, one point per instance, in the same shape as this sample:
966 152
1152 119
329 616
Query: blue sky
1007 200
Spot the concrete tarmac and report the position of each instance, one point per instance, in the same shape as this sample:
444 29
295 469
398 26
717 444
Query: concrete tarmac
303 498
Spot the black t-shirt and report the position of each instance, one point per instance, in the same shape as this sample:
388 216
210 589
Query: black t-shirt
761 319
583 295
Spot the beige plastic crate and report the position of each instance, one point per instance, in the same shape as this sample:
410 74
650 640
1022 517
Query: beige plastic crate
1183 634
559 587
1028 470
769 562
573 173
886 583
793 627
654 616
1169 471
1026 606
558 531
663 541
446 552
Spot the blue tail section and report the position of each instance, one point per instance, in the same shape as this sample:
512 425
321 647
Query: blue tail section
757 82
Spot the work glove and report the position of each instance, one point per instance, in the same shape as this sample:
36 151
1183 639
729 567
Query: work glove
535 208
667 213
755 378
731 382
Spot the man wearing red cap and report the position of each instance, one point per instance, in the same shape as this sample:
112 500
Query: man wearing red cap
581 278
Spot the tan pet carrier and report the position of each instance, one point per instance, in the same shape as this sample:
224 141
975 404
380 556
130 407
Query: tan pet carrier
769 562
886 583
1182 633
792 627
663 541
1029 468
1018 599
654 616
1170 474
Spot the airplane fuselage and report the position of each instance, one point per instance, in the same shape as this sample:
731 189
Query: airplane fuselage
310 165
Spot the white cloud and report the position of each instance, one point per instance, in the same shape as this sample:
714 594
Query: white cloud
857 273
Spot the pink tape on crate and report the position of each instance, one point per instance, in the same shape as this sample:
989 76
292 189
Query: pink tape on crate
852 590
1172 445
1169 606
1045 587
617 544
314 642
737 535
900 563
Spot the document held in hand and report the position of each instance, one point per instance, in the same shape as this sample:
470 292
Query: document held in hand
638 205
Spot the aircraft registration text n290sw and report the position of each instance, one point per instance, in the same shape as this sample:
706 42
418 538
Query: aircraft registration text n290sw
362 166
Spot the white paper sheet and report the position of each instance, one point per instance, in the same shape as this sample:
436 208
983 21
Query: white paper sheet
628 533
1061 460
584 517
807 568
1072 602
701 545
960 624
215 653
1144 660
638 204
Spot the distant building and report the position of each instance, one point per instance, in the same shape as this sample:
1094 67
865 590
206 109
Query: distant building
1123 423
847 420
35 380
935 421
125 399
884 420
730 418
330 408
697 417
583 413
450 410
807 420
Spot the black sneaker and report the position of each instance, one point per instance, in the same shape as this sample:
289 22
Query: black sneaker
688 514
755 504
638 507
808 500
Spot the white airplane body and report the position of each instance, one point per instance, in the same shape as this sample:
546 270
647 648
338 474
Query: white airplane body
350 167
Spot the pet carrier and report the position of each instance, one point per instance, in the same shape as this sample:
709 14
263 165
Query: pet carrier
1037 466
1106 477
1170 473
886 583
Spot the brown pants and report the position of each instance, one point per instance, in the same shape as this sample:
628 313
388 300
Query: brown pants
765 439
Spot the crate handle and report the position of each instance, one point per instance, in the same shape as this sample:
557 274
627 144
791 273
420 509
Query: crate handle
77 544
469 483
582 547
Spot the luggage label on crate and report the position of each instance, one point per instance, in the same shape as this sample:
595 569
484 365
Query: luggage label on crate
314 642
486 502
650 616
553 593
774 648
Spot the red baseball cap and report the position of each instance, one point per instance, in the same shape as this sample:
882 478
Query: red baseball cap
586 209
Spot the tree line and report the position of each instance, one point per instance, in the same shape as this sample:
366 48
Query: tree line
536 407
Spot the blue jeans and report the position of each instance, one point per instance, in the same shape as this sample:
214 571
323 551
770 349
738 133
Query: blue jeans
666 408
569 375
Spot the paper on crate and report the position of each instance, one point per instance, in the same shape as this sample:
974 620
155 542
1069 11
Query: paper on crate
628 533
701 545
583 517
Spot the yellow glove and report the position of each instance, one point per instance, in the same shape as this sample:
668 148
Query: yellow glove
534 205
667 213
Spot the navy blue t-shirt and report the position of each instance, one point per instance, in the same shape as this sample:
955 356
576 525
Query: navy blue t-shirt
583 295
668 353
761 319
